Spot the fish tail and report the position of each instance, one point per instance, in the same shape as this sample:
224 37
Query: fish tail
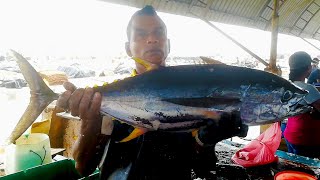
41 97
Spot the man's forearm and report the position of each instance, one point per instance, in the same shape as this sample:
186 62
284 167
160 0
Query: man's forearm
88 151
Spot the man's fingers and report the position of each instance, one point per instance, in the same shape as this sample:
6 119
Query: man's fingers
84 104
63 99
74 101
96 103
69 86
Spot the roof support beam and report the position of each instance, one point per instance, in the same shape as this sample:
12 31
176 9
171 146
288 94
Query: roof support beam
274 39
310 43
203 18
236 42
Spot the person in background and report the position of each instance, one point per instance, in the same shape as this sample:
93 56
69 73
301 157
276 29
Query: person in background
302 131
314 77
315 64
154 155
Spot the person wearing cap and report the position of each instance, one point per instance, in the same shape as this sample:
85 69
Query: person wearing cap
302 131
314 77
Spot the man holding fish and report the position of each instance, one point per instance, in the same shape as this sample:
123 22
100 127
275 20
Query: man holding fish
156 154
164 122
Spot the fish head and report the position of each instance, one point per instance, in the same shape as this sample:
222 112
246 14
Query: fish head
295 104
261 106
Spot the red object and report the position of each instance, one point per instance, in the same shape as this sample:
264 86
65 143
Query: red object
293 175
261 150
303 130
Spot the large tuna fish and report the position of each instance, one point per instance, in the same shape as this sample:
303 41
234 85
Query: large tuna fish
181 98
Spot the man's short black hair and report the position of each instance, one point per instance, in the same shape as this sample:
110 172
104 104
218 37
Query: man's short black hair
148 10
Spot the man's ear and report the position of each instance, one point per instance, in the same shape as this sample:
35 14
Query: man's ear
168 41
128 49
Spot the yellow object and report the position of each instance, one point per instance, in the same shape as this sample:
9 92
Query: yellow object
194 132
54 77
144 63
134 73
29 151
134 134
41 127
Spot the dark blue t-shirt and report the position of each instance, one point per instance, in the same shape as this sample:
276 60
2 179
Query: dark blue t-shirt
312 79
155 156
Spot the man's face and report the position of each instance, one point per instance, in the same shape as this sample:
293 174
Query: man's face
148 40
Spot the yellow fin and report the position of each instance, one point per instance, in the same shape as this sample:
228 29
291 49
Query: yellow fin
134 134
144 63
211 115
134 73
194 132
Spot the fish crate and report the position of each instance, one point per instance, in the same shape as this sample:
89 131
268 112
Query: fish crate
64 169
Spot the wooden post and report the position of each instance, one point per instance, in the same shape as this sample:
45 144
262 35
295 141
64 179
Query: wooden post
273 52
274 40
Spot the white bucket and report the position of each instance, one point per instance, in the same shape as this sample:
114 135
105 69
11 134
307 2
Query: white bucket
29 151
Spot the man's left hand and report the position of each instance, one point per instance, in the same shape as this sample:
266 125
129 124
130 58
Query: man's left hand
227 126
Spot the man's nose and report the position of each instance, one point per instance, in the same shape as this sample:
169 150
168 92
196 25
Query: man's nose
152 39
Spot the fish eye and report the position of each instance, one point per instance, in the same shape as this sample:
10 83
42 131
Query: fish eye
287 95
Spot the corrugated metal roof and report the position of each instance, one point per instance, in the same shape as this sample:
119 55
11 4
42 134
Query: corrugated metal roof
296 17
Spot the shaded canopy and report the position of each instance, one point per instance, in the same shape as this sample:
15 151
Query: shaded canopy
296 17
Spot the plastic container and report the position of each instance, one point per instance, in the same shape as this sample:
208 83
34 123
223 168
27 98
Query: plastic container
29 151
293 175
64 169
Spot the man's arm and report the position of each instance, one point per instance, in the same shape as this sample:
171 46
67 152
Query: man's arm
89 147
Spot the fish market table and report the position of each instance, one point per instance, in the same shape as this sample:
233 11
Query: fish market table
226 169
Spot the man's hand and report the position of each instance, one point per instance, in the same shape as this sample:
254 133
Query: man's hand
90 144
228 126
84 103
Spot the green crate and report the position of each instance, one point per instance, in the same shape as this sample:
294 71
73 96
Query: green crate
64 169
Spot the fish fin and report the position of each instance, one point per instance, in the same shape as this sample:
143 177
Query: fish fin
134 73
214 115
41 97
134 134
205 102
144 63
194 132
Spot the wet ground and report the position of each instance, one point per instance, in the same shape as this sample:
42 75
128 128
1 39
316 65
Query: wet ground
226 169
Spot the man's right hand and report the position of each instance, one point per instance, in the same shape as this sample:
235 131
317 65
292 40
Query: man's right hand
85 103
